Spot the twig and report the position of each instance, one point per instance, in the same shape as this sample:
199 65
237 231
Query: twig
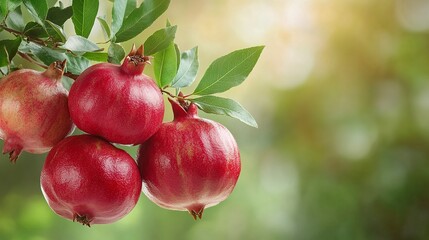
15 32
168 93
28 58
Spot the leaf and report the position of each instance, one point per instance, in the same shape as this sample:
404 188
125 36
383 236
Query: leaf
131 5
67 82
141 18
52 2
3 10
224 106
115 53
80 45
165 65
59 15
159 40
8 6
56 32
38 9
96 56
34 30
188 69
15 21
105 27
8 49
118 14
75 64
177 55
84 13
228 71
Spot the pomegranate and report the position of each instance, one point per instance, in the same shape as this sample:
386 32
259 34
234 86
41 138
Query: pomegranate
88 180
34 114
117 102
190 164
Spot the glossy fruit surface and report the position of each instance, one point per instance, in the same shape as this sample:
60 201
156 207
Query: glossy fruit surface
117 102
34 113
88 180
190 164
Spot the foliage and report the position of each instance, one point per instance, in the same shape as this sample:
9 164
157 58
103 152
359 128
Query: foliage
43 40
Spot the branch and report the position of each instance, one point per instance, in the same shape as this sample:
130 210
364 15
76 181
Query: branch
15 32
30 59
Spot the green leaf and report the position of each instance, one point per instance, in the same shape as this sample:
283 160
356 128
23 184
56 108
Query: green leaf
34 30
188 69
56 32
67 82
80 45
75 64
38 9
131 5
105 27
52 2
84 13
8 6
228 71
115 53
159 40
3 10
15 21
8 49
165 65
96 56
59 15
141 18
224 106
177 55
118 14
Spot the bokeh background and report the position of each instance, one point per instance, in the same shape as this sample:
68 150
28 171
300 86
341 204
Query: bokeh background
341 95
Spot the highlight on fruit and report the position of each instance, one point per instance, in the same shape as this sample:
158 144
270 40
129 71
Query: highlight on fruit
187 164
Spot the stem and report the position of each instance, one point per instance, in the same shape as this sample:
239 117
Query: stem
13 31
168 93
28 58
37 41
71 75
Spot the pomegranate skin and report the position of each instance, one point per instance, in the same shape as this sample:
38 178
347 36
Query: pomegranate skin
87 179
117 102
190 164
34 113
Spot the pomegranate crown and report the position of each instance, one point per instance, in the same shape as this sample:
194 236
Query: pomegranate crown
55 70
182 108
135 62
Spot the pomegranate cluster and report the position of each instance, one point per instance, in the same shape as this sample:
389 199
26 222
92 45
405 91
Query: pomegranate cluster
187 164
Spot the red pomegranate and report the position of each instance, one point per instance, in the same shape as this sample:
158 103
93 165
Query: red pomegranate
34 114
88 180
117 102
190 164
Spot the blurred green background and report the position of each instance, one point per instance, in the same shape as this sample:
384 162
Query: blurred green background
341 95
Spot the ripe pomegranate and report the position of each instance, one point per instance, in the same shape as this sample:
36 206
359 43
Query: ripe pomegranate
34 114
190 164
88 180
117 102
